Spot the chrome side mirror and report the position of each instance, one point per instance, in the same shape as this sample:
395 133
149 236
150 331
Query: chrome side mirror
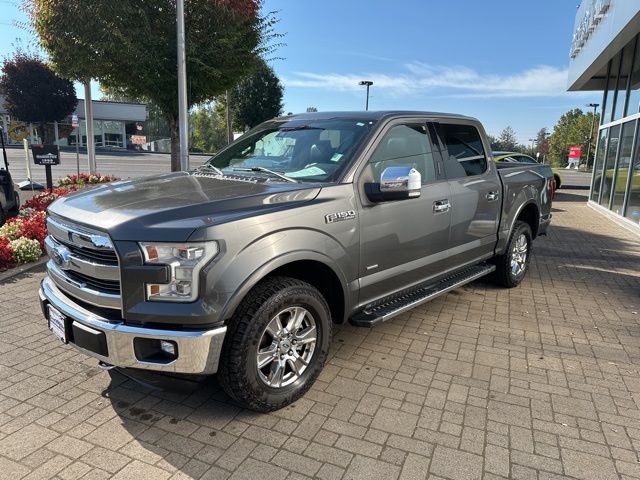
396 183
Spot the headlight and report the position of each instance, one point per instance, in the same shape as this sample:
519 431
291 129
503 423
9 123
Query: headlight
185 260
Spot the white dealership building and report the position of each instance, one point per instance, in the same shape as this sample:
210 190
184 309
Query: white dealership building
605 56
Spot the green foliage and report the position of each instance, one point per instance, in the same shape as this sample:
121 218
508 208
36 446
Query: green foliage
506 141
572 129
311 109
256 98
130 46
33 93
542 142
207 130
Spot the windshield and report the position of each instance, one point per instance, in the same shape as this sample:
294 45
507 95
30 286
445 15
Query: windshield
303 150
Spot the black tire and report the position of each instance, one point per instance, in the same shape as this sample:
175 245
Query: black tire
239 374
558 181
504 275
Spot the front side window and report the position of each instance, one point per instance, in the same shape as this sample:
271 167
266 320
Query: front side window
305 150
466 153
405 145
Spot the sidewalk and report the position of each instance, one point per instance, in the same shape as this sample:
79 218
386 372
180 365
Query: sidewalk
541 381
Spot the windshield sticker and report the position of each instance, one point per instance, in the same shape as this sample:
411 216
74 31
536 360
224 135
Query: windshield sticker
307 172
336 157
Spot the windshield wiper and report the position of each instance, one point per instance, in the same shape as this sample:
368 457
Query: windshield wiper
211 167
266 170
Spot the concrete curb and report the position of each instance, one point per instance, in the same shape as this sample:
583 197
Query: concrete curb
20 269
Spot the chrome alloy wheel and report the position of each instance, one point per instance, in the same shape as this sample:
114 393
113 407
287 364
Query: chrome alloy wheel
286 347
519 255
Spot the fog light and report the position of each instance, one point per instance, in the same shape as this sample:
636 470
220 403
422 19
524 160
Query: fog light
154 350
168 347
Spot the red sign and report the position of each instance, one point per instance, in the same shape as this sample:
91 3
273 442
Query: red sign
138 139
575 152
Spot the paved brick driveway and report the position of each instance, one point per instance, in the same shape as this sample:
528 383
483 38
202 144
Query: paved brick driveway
537 382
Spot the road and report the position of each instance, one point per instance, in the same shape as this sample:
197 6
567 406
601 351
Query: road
131 165
121 164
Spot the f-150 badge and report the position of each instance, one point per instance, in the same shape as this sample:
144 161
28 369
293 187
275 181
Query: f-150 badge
340 216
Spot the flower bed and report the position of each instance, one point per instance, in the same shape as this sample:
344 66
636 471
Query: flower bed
22 237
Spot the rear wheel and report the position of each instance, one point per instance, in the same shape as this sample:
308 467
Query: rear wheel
512 266
276 345
558 181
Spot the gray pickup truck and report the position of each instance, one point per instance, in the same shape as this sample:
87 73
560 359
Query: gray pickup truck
242 266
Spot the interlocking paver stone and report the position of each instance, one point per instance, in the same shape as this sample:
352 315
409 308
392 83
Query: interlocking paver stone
540 381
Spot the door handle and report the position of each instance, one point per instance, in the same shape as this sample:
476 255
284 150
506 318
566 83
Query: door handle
492 196
441 206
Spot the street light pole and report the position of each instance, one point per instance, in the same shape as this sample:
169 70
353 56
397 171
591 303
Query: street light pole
368 84
593 122
183 119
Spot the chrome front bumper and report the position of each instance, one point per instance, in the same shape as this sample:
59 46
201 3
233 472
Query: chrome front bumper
198 351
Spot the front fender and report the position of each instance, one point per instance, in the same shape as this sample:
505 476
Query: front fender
240 274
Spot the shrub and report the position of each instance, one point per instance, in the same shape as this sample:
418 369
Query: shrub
84 179
42 201
26 250
34 227
7 258
26 212
11 229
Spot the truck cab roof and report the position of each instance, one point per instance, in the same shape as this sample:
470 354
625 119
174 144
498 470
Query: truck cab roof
371 115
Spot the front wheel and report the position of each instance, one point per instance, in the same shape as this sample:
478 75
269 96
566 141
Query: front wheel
276 344
512 266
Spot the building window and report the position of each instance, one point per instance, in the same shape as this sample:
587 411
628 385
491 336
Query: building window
617 181
609 162
610 92
633 203
633 105
623 81
597 164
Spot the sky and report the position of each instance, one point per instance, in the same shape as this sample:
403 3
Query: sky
502 61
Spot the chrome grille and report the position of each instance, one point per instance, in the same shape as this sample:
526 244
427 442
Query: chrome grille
83 263
106 257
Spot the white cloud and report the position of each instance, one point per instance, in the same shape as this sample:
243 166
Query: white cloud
458 81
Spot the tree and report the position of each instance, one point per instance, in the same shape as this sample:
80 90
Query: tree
572 129
256 98
311 109
507 140
134 49
33 93
542 142
207 130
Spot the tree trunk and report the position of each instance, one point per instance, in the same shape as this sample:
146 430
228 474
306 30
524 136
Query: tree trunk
175 143
44 137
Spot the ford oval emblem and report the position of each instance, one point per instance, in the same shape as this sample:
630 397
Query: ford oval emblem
61 256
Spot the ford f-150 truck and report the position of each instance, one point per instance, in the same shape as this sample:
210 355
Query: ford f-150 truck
242 266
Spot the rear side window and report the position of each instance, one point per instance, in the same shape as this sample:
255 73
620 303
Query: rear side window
466 154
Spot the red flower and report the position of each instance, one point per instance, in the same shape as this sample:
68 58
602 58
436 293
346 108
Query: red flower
7 259
34 227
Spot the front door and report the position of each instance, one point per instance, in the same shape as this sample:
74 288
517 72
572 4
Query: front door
475 193
403 242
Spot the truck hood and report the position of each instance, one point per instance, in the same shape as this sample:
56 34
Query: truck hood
172 207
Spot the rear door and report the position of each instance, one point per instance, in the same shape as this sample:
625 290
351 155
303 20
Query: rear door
475 192
403 242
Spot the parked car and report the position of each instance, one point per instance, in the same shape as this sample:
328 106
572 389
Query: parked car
515 157
242 266
9 199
